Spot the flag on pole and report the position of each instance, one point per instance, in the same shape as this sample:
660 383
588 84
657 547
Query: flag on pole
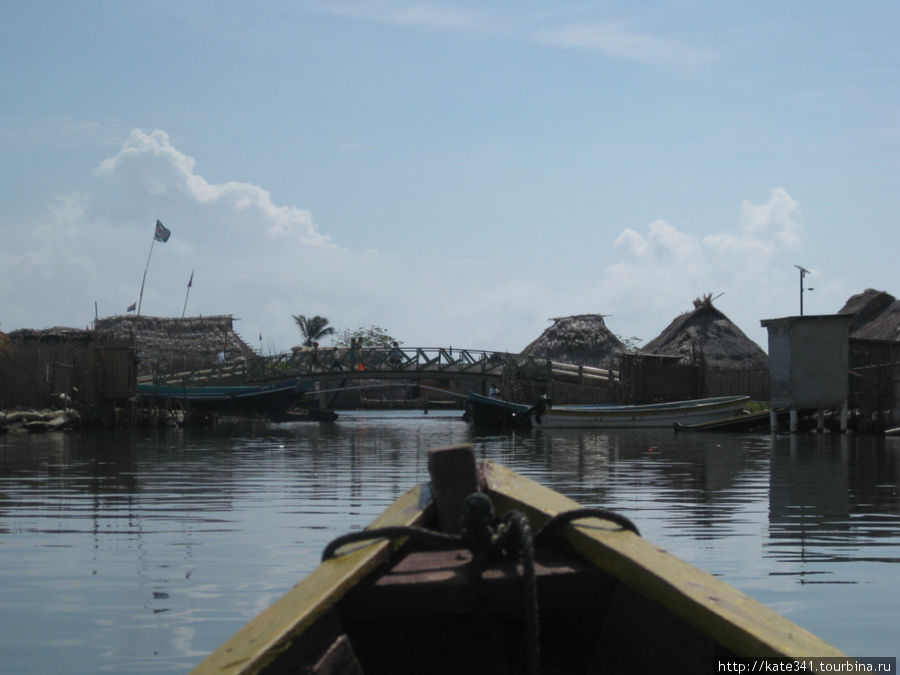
191 280
132 307
162 232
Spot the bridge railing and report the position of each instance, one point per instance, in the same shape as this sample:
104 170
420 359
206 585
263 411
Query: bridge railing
380 359
390 361
308 362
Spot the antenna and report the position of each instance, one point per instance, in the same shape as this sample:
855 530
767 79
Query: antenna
803 273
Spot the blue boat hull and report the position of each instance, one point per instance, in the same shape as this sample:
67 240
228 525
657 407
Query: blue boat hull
274 399
495 413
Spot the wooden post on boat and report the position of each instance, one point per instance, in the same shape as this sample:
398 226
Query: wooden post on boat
454 476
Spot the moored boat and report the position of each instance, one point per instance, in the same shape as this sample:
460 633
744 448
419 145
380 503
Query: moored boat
663 415
761 420
585 594
273 397
492 412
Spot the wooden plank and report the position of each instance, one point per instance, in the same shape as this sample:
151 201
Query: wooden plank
733 619
673 640
339 659
265 637
454 477
433 583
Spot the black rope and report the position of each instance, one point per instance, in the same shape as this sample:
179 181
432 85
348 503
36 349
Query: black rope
519 527
393 532
490 538
553 526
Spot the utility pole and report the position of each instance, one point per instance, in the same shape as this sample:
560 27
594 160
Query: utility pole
803 273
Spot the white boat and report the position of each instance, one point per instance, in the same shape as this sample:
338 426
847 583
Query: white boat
650 415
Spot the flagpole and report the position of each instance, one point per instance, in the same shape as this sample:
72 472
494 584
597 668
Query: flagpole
188 292
141 297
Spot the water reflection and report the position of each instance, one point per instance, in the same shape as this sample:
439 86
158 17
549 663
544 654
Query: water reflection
143 551
833 499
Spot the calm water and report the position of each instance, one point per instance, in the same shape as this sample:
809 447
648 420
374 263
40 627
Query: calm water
141 551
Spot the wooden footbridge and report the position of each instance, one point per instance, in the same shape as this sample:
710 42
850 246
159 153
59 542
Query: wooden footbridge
454 369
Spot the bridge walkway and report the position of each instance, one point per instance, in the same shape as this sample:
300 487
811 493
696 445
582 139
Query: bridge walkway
402 363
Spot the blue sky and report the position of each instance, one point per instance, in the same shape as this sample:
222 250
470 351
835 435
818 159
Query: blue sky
456 173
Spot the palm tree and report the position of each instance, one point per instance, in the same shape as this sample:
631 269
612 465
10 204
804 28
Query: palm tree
312 328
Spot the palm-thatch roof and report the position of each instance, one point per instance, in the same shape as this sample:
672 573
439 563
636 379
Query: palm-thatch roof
57 334
706 333
173 344
582 339
876 315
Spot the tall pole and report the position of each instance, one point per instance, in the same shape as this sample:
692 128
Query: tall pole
187 293
141 297
803 273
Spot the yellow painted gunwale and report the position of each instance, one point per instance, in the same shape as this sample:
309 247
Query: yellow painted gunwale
731 618
257 644
728 616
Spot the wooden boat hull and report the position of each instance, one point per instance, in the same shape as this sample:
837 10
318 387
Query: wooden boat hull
749 422
660 415
609 600
276 397
487 412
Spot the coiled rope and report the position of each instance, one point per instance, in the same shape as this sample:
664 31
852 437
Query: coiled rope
489 538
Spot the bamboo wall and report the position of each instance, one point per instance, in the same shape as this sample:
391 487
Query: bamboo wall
650 379
752 382
66 367
874 377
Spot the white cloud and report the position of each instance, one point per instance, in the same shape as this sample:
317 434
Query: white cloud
141 146
664 269
93 246
616 39
420 15
263 262
149 163
632 241
775 220
67 208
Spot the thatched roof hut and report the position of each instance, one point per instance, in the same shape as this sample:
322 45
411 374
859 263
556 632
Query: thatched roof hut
706 333
55 335
582 339
174 344
876 315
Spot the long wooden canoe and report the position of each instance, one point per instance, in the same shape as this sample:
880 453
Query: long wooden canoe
659 415
275 397
745 422
606 599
